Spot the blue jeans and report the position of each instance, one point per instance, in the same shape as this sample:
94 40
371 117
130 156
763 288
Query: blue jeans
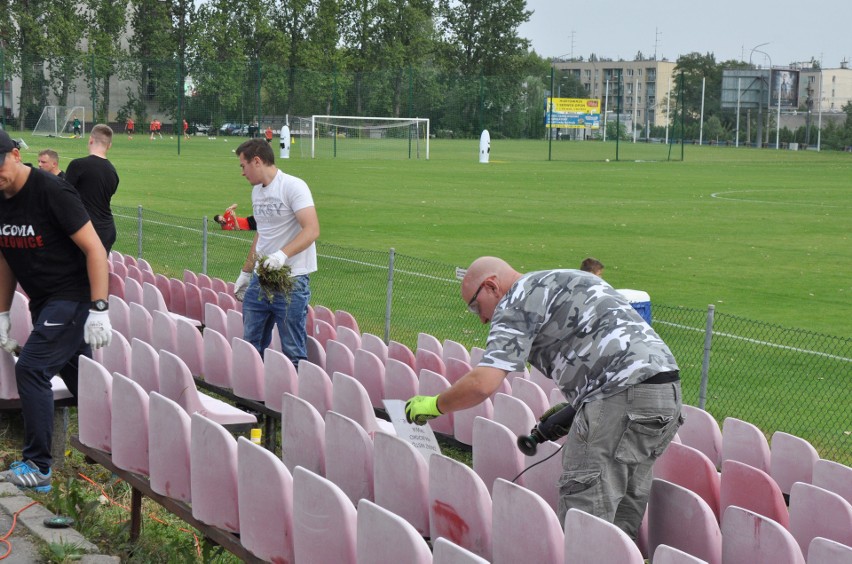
288 312
53 347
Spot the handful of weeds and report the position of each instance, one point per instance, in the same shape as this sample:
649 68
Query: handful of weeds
272 281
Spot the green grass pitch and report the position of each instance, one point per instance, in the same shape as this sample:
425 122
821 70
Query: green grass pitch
762 234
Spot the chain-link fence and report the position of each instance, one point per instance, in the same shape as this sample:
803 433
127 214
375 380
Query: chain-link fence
778 378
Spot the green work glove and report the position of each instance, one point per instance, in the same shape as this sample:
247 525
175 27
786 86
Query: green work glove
421 409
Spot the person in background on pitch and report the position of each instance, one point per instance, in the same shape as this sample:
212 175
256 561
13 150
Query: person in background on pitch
230 221
287 228
185 130
616 373
96 180
48 161
129 126
268 134
78 127
50 247
592 265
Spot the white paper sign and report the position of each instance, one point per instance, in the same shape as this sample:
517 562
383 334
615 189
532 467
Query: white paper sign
421 437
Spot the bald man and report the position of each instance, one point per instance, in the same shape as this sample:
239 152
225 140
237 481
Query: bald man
619 378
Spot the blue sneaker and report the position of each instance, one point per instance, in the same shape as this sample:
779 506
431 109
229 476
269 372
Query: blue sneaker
27 476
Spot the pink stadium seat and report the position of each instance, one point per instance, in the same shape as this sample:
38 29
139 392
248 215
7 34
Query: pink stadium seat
226 301
213 471
834 477
428 342
315 386
749 488
751 537
177 292
322 313
590 540
141 323
545 383
338 358
525 527
148 277
164 286
116 257
218 285
375 345
190 346
514 414
163 331
133 273
324 332
825 551
315 351
119 315
94 405
455 369
370 372
431 384
495 454
235 324
459 505
543 473
325 521
746 443
130 260
386 537
116 285
132 290
348 456
190 277
792 460
129 425
447 552
176 383
681 519
215 318
266 521
348 337
531 394
666 554
144 366
400 352
401 480
701 431
120 268
453 349
349 398
343 318
279 376
204 281
463 420
476 355
168 446
194 303
688 467
400 380
116 355
427 360
217 359
144 265
302 435
247 374
309 320
815 512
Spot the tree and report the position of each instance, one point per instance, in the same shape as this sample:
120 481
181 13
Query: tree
106 21
64 30
152 46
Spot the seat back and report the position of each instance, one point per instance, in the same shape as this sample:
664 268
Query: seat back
348 456
194 303
322 313
338 358
141 323
204 281
749 488
447 552
825 551
400 352
458 496
750 537
247 374
163 331
425 359
116 285
430 343
375 345
190 345
834 477
688 467
315 386
349 398
343 318
531 394
169 433
680 518
525 527
315 351
302 435
792 460
213 471
544 470
190 277
348 337
744 442
495 454
152 298
325 521
94 405
226 301
215 318
590 539
386 537
666 554
176 383
401 480
463 421
514 414
145 366
456 350
324 332
266 521
116 355
454 369
815 512
400 380
177 293
701 431
370 372
234 322
129 425
279 376
119 315
217 359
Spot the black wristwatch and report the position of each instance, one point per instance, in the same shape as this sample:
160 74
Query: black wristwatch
100 305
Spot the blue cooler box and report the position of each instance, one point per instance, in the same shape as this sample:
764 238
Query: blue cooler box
640 301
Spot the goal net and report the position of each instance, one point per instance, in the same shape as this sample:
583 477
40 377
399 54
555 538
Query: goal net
58 121
369 137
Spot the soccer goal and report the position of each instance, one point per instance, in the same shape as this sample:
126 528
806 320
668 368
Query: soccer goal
369 137
58 121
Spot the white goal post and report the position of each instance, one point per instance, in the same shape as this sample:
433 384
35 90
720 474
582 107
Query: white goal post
58 121
369 137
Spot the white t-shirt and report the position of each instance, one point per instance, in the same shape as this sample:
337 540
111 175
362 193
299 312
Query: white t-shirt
275 208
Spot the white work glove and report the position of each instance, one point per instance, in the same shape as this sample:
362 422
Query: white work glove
98 330
6 343
241 285
275 261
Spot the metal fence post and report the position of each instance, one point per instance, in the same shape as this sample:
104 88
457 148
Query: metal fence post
705 363
204 241
139 226
389 295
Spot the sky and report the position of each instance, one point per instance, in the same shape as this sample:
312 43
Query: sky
793 31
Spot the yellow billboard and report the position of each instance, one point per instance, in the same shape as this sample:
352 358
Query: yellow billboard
572 113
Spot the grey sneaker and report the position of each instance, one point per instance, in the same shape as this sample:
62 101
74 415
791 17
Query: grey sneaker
27 476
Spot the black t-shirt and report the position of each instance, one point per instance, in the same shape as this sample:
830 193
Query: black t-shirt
96 180
35 228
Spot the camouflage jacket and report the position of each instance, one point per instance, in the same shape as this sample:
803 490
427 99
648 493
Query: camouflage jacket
576 329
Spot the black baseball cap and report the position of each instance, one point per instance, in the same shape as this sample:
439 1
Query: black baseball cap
6 145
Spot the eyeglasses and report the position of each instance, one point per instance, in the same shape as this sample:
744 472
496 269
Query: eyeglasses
472 305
